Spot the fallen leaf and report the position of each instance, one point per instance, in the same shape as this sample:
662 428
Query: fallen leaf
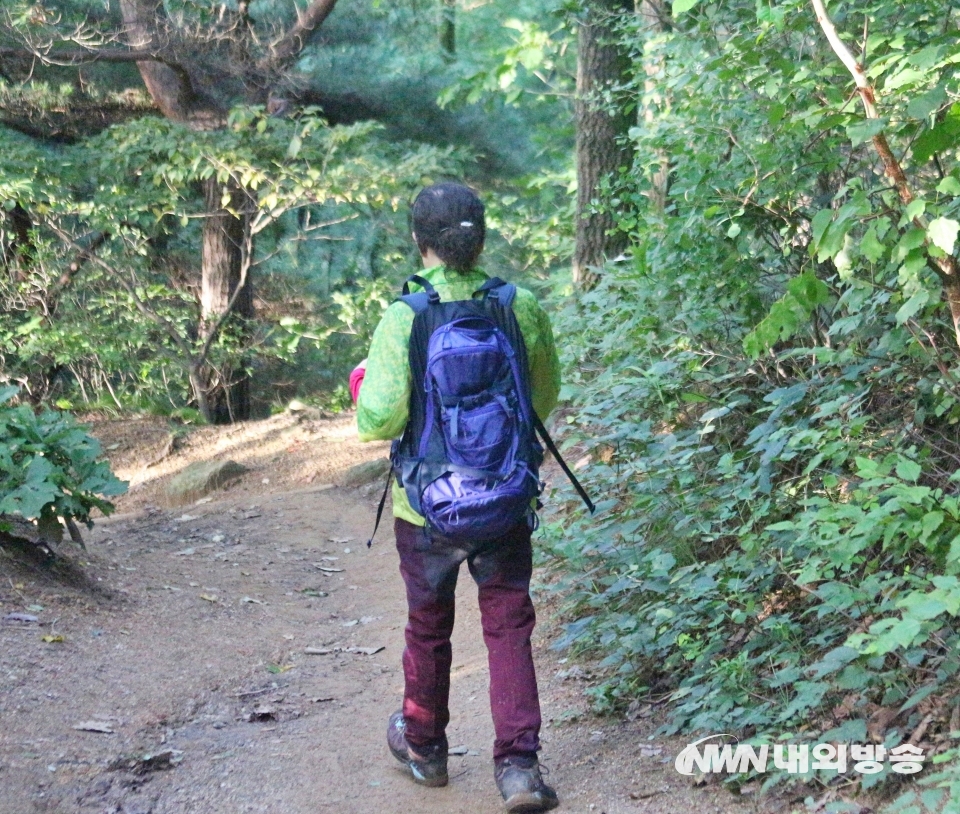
185 553
321 700
327 569
202 501
209 597
250 599
340 540
278 668
53 638
184 518
95 726
317 651
457 750
351 623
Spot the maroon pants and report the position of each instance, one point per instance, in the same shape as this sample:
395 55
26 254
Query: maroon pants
502 572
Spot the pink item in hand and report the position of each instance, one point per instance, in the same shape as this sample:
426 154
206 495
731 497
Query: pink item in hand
356 379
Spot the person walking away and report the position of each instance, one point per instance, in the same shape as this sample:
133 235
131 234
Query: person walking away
449 230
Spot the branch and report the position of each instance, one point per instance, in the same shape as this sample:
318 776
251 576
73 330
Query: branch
163 322
847 58
945 267
81 259
296 39
83 56
169 85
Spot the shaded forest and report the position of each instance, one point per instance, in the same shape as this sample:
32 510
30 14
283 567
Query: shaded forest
743 215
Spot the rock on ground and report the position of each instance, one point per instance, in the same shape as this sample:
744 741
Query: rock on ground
365 473
201 478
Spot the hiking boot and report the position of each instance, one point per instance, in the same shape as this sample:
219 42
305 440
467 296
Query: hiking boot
427 764
518 778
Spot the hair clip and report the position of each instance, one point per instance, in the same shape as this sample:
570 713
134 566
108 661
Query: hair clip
466 223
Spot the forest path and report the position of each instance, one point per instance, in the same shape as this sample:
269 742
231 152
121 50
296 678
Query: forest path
182 623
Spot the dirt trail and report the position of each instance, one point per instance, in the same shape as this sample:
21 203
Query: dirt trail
179 624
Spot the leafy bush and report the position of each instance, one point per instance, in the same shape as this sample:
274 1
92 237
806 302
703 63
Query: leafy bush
50 468
769 397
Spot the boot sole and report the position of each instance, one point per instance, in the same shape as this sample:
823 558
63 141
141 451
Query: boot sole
528 803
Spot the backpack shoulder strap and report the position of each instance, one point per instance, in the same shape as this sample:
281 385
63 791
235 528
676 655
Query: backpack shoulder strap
499 290
422 299
563 464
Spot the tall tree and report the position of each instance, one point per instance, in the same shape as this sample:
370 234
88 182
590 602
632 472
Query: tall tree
654 15
602 65
194 71
448 28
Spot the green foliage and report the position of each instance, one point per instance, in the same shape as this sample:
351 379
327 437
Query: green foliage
125 325
767 391
50 467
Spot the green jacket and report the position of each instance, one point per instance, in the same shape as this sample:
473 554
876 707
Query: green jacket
384 399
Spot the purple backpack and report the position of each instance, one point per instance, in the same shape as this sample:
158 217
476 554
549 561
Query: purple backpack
469 458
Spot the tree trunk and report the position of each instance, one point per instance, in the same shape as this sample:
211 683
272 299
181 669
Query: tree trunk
222 395
601 65
653 14
18 247
227 390
448 29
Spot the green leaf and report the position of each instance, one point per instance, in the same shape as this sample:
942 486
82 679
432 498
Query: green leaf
943 233
949 186
294 149
865 130
912 306
871 247
941 137
915 209
922 106
683 6
922 607
908 470
820 223
809 290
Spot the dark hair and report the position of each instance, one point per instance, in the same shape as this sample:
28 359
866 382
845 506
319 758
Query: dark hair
448 218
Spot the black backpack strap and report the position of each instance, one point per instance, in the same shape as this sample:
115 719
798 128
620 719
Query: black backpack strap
563 464
422 299
383 500
499 290
424 284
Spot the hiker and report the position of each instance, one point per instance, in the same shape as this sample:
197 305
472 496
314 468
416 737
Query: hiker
449 230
